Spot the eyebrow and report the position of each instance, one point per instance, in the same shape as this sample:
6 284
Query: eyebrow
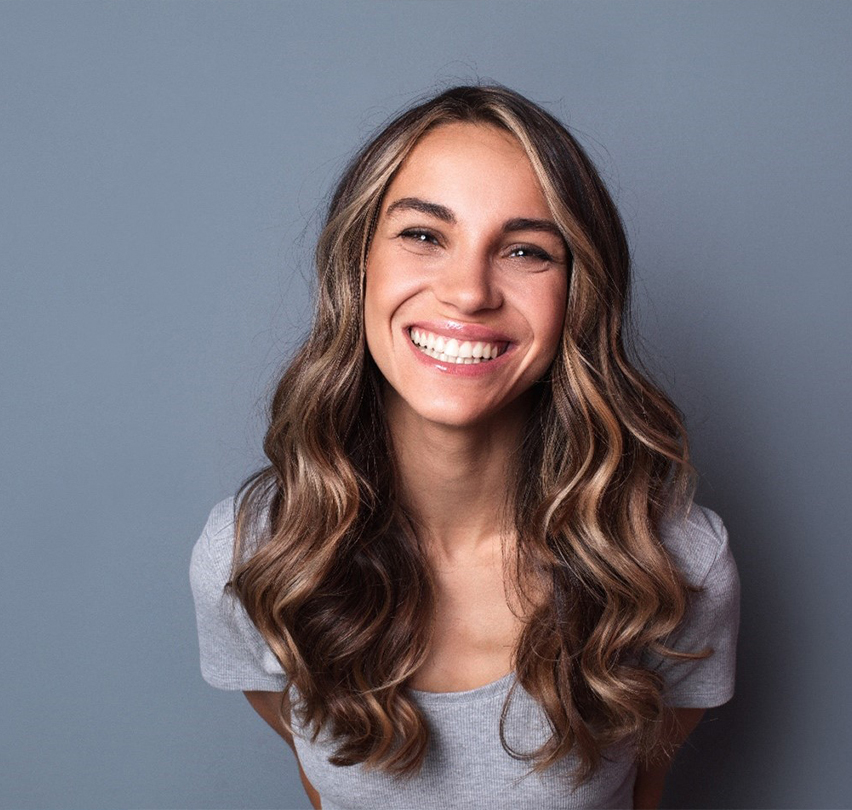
446 215
522 224
424 207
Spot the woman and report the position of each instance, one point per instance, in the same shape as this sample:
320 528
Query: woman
474 552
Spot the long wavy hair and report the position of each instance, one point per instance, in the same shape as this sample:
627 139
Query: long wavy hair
327 561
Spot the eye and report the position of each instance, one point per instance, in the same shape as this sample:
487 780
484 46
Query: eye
531 253
419 236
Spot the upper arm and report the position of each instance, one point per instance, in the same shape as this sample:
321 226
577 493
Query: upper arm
269 706
677 726
233 654
651 777
700 548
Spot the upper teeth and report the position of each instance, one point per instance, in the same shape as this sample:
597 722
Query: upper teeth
450 349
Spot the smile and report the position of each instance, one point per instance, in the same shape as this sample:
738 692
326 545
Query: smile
450 350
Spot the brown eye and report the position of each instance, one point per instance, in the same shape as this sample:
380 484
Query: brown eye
530 252
419 236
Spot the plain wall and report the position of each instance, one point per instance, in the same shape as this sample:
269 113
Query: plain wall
161 169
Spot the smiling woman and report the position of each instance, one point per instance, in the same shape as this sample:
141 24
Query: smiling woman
473 573
464 253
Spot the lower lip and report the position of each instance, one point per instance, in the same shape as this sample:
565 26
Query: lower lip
458 369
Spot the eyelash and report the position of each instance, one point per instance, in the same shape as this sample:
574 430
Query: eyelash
418 234
415 234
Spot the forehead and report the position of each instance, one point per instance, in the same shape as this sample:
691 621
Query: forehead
469 164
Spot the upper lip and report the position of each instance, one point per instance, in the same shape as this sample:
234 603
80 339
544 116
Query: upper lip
460 331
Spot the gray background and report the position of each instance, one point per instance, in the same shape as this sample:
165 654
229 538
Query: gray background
161 165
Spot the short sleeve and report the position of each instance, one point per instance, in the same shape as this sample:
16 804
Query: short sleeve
233 653
699 545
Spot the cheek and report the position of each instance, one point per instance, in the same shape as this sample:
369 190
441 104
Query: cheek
388 287
373 319
559 297
370 307
377 288
545 309
557 317
383 297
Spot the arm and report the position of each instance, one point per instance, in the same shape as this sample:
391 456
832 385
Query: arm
651 778
266 705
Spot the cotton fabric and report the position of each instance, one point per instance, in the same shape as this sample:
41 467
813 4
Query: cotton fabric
466 765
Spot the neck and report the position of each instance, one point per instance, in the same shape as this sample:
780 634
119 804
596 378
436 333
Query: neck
457 481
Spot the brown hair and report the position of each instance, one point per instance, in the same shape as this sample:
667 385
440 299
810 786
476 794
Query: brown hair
328 564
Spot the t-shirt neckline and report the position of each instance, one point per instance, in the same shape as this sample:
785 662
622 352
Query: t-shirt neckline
484 692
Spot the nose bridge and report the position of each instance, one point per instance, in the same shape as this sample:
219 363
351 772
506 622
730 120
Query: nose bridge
467 280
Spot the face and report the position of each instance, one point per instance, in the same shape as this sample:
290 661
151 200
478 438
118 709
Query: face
466 278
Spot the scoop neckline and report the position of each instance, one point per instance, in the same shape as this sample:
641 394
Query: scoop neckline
486 691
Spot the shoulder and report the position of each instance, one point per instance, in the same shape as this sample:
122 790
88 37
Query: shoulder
698 544
221 518
233 654
214 549
213 552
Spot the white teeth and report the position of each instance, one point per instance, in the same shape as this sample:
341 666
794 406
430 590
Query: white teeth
449 350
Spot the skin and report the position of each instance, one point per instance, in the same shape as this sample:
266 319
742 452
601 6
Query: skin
455 435
267 704
651 779
465 238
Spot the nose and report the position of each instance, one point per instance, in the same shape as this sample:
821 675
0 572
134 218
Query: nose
467 282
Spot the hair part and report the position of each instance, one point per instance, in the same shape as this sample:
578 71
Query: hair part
330 566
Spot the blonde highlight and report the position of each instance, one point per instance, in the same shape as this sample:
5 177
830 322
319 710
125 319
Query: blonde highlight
328 563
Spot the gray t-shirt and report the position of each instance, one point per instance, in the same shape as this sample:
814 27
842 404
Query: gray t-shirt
466 765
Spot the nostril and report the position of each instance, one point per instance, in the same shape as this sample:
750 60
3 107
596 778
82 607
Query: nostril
468 295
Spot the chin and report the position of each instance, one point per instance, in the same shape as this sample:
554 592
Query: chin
459 423
455 415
